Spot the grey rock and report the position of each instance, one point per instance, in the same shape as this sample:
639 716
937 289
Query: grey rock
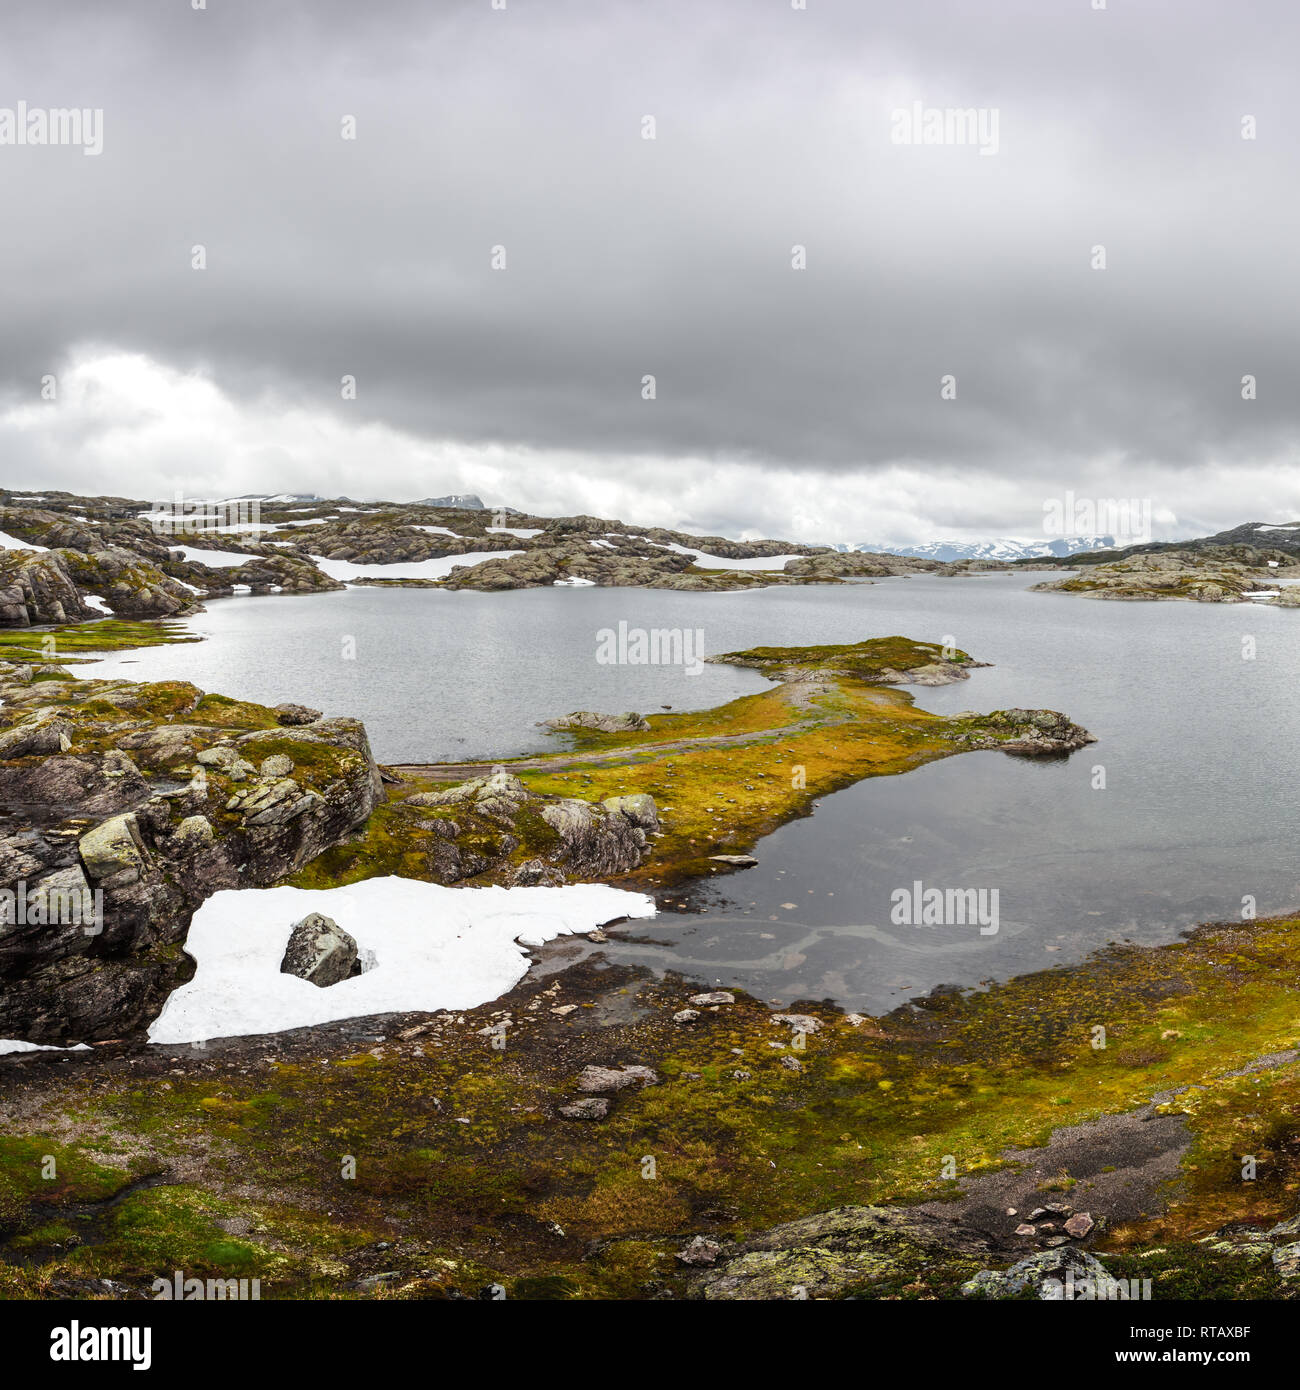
700 1251
593 1108
801 1023
296 714
1054 1275
320 952
1286 1261
630 722
615 1078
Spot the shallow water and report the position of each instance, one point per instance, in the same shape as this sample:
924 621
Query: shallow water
1197 744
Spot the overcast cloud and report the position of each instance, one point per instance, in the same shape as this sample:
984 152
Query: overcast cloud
801 403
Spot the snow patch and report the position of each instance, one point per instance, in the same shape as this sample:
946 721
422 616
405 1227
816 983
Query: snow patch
408 569
432 948
214 559
13 543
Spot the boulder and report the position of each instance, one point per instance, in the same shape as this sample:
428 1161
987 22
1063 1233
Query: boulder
593 1108
628 722
831 1253
615 1078
320 952
638 807
1060 1275
296 714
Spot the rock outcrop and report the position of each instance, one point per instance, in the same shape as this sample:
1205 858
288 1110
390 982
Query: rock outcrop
35 588
1029 732
629 722
133 804
1192 575
835 1252
495 829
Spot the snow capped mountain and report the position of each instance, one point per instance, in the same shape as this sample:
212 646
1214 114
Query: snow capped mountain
1003 549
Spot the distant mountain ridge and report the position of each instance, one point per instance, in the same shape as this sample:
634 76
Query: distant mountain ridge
466 501
1005 548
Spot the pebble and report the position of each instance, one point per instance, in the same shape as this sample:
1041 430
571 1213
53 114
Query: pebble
700 1251
593 1108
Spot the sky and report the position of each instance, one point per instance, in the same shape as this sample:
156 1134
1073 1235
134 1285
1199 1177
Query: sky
453 205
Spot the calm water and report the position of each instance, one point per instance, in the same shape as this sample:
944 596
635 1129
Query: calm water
1198 747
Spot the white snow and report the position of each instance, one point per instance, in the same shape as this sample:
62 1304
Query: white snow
439 530
13 543
523 532
573 582
17 1045
214 559
427 948
94 601
720 562
409 569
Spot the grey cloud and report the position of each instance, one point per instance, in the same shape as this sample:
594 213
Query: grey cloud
478 127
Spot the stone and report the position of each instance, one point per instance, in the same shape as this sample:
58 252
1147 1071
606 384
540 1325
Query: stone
195 832
1078 1226
739 861
639 808
593 1108
801 1023
630 722
686 1015
39 733
296 714
1053 1275
615 1078
112 847
1289 1227
320 952
833 1252
717 996
700 1251
277 765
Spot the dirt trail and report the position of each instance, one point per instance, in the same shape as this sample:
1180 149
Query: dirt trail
801 694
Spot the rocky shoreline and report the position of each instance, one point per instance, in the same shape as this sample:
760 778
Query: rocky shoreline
596 1131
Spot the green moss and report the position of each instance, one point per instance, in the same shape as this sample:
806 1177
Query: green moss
112 634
